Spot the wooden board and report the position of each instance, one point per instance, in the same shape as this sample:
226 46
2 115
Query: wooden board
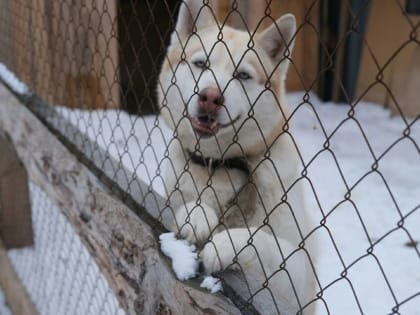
390 68
15 209
66 51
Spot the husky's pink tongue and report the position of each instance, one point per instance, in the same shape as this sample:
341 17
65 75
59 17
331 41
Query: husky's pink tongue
205 126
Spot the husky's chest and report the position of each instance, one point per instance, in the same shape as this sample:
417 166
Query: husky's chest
228 190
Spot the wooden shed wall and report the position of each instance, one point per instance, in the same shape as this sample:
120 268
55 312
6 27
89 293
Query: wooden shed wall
66 51
390 66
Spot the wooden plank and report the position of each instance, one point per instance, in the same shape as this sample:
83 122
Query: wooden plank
390 67
124 246
38 64
405 83
103 45
84 46
303 72
29 49
67 51
15 209
20 48
17 297
6 39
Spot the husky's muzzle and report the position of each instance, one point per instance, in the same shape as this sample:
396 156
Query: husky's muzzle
206 123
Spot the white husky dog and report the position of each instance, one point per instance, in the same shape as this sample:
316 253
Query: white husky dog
234 179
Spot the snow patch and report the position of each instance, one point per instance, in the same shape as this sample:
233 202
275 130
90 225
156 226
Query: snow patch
4 308
183 255
12 81
212 284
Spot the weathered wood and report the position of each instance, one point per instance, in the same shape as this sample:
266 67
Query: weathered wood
127 185
67 51
15 209
390 66
124 247
17 297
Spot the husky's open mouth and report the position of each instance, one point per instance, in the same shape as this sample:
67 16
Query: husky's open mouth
206 126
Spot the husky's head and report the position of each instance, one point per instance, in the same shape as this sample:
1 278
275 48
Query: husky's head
222 89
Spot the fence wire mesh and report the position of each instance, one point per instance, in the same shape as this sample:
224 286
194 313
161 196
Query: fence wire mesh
312 198
59 274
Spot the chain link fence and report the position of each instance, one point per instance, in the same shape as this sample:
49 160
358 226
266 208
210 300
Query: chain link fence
59 274
299 202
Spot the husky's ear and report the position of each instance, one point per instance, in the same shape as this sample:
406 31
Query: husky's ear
278 39
193 15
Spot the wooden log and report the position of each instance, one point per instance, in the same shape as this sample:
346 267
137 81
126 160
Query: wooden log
124 247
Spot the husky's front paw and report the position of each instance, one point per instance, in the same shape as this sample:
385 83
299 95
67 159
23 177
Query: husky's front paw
196 222
228 249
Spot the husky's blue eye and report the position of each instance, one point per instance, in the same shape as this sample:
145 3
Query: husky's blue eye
200 64
242 75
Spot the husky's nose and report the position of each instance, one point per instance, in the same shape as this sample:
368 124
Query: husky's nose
210 100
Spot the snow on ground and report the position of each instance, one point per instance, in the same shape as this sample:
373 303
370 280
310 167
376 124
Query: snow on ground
388 194
4 308
9 77
368 151
212 284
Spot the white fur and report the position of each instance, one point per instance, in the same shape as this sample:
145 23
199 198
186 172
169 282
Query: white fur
259 233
